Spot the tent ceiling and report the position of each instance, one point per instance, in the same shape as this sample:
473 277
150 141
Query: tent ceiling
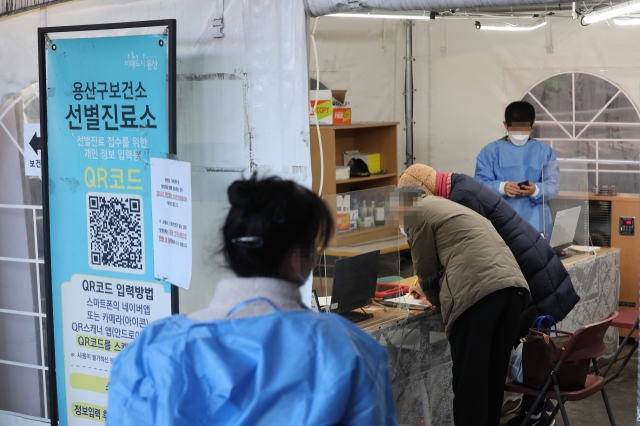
327 7
457 8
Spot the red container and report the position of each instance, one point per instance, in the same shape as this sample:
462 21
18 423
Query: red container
389 289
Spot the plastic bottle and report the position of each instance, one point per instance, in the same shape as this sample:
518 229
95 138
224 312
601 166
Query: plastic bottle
371 211
379 215
354 212
362 212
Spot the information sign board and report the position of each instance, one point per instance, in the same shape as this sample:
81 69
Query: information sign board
106 117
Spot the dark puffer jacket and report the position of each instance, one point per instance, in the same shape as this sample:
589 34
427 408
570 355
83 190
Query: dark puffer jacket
550 284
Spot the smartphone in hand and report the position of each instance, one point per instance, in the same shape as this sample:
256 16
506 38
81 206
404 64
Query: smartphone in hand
521 184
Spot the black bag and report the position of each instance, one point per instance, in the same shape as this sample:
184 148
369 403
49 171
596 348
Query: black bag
358 168
540 355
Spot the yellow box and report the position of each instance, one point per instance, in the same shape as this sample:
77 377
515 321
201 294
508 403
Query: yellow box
372 160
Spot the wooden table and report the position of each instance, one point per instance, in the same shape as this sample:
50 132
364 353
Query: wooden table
391 316
419 354
386 246
621 205
581 257
596 279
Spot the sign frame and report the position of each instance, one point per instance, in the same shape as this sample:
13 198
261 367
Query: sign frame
170 25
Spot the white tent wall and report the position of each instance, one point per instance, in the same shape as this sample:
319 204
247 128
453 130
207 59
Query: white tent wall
242 99
242 102
365 57
464 77
481 72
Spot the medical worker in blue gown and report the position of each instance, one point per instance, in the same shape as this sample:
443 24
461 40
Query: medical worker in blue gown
517 159
255 355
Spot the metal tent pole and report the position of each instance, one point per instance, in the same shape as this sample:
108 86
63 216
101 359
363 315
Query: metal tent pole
408 93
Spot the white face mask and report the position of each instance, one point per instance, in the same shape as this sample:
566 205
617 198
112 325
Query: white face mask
518 138
301 277
402 230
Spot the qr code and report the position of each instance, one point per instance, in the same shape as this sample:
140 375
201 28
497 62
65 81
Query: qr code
116 232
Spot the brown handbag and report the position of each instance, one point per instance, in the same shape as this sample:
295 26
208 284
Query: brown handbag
540 355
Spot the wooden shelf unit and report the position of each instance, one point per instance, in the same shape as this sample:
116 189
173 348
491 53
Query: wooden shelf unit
367 137
372 138
365 179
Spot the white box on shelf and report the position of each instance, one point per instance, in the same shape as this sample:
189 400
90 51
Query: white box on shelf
342 172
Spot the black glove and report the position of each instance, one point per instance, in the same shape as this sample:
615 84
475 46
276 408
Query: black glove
431 287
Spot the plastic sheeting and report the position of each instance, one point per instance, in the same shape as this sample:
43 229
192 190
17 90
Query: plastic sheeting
464 78
252 371
502 161
242 106
420 357
327 7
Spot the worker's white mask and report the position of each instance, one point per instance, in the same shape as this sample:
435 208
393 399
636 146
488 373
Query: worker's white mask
402 230
518 138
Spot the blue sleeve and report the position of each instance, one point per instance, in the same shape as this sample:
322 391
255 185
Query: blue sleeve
130 391
372 402
484 168
551 176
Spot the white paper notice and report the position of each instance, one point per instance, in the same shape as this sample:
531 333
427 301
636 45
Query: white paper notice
32 150
171 214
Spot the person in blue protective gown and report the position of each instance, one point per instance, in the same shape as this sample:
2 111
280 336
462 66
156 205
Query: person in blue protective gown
255 355
514 166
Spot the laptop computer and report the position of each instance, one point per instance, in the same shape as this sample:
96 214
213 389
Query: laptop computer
354 285
564 228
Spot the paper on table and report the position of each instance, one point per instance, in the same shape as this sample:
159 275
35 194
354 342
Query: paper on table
585 249
408 300
323 300
171 213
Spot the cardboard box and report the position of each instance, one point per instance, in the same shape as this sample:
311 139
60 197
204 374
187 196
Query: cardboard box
372 160
328 110
344 222
324 109
341 115
343 206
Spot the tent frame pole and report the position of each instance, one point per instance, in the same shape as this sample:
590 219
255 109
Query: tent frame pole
408 94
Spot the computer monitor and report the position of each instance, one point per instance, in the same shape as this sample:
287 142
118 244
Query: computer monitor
564 228
354 282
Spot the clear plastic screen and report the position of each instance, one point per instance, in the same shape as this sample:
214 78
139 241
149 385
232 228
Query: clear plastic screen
415 341
416 344
580 227
564 201
364 223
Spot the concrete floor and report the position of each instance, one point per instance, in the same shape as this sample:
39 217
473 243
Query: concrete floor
622 393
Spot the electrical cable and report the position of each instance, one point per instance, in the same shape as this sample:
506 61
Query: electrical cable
587 11
315 106
327 306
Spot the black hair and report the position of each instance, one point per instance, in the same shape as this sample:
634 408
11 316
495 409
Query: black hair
268 218
520 112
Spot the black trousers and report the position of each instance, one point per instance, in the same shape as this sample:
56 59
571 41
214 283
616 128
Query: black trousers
481 340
